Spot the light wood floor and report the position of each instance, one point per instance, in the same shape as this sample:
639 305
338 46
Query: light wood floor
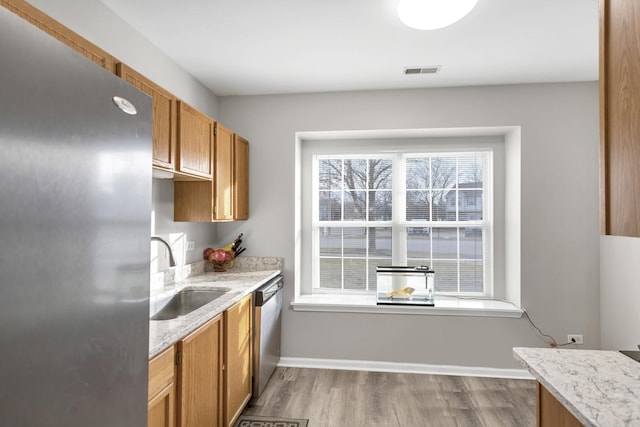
374 399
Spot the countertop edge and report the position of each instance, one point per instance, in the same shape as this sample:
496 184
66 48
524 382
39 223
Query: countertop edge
203 317
601 388
555 392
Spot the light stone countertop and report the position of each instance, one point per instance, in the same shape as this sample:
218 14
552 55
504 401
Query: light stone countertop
600 388
164 333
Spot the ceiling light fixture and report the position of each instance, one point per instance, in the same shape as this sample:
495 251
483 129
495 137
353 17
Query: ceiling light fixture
433 14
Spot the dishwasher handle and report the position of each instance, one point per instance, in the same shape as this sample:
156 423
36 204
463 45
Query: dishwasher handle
266 292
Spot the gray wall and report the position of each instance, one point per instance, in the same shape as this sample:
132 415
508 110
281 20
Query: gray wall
177 233
95 22
620 292
559 204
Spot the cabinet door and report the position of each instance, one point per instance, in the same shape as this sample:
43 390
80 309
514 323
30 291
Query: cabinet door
164 117
619 124
193 201
162 397
195 142
550 411
162 409
60 32
238 352
241 178
223 183
200 376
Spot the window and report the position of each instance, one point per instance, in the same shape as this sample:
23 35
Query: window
402 209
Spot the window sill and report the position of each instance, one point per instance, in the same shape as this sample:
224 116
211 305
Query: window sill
444 306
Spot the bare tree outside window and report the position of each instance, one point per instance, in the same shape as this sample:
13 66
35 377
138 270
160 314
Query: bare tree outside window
429 182
357 191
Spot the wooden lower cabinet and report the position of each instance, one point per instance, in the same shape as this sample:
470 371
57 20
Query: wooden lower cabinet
238 362
162 390
206 379
200 376
551 413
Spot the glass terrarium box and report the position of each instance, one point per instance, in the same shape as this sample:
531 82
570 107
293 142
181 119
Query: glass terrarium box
403 285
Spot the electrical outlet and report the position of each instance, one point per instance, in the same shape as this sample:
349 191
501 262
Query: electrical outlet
191 245
576 339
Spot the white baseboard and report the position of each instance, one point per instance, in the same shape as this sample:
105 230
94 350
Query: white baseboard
415 368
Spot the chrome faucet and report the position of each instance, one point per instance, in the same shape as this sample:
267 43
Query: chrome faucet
172 261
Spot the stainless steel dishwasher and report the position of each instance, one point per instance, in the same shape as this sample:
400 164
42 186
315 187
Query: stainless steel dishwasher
266 338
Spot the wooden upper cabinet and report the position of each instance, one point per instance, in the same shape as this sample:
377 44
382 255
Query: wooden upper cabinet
164 117
193 201
60 32
226 198
237 360
195 143
619 112
241 178
200 374
223 182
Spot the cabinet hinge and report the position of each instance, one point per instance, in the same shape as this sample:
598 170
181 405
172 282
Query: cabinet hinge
178 358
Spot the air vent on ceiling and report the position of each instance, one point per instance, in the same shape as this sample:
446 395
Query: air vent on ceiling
432 69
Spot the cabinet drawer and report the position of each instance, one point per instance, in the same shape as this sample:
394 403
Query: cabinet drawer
161 371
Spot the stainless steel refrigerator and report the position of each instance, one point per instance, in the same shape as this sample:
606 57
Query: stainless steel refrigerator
75 208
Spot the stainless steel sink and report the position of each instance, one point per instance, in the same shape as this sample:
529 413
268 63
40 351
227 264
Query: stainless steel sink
184 302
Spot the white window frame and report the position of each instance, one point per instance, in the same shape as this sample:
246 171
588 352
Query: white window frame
316 224
399 224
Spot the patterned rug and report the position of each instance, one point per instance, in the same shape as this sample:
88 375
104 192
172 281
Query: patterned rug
259 421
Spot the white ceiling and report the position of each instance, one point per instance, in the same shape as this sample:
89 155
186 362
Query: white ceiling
247 47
